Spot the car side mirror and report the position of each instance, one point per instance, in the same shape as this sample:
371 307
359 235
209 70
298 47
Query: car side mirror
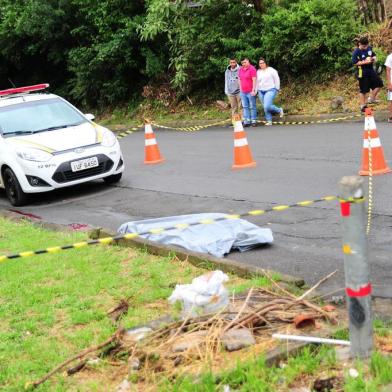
89 116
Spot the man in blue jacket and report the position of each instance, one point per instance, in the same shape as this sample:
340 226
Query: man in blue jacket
363 59
232 86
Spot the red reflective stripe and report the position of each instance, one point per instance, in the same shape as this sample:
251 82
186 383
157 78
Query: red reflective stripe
345 208
362 292
25 89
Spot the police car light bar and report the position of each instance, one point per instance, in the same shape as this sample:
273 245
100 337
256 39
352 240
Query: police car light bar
25 89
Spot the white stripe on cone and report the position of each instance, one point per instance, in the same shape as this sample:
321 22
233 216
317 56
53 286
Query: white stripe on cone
373 143
150 142
240 142
238 126
370 124
148 128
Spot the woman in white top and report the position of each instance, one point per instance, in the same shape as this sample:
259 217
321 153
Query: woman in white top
388 65
268 86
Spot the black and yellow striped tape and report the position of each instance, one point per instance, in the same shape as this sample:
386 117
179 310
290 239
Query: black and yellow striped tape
127 132
200 127
328 120
157 230
192 128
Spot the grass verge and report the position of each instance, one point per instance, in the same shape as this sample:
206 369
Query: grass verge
53 306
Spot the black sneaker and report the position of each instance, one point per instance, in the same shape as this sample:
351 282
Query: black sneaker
246 125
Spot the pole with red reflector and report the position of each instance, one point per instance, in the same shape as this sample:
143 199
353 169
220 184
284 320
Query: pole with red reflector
25 89
356 265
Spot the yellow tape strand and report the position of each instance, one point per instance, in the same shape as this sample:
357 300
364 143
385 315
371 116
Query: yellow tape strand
158 230
125 133
370 182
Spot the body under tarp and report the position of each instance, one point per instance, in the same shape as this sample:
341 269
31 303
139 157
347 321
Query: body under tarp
217 238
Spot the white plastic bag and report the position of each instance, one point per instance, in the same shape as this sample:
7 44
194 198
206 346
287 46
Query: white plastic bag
206 294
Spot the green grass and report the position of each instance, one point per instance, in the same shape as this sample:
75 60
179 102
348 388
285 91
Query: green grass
53 306
303 369
254 375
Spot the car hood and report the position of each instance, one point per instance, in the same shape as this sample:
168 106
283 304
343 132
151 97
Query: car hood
62 139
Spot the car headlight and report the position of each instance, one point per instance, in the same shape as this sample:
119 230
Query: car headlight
108 139
33 154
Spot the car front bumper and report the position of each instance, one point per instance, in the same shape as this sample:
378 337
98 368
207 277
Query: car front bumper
57 173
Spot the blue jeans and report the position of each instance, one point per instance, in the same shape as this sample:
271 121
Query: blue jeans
267 100
249 108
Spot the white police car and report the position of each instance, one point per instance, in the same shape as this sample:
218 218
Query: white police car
46 143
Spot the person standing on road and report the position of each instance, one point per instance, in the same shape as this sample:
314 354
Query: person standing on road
232 86
247 75
268 86
363 59
388 65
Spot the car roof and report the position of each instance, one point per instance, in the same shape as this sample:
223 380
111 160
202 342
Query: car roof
9 100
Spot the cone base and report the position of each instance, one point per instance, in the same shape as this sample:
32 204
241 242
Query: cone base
153 162
375 172
252 164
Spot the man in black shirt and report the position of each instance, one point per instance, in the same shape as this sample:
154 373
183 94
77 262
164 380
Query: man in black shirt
364 58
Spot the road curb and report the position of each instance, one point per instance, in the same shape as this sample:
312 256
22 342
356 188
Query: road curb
380 115
14 216
197 259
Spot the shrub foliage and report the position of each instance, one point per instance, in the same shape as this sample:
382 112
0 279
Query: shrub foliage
103 53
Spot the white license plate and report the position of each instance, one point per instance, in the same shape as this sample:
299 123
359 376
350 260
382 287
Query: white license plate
84 164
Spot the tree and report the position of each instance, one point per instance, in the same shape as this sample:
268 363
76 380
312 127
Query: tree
107 63
372 11
310 34
34 41
200 40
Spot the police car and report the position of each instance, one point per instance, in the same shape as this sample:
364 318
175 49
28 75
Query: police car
46 143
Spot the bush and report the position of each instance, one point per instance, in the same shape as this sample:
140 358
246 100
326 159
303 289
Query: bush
311 34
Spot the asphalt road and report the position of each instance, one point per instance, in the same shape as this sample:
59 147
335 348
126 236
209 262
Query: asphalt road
294 163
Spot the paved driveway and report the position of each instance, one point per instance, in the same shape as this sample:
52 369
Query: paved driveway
294 163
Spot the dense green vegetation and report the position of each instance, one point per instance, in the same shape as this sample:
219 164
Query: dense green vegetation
104 53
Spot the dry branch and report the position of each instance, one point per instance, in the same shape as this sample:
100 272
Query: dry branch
115 337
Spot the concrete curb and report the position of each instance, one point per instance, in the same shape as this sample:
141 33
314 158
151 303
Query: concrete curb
15 217
380 115
197 259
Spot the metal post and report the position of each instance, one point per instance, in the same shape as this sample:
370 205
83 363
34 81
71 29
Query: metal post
356 265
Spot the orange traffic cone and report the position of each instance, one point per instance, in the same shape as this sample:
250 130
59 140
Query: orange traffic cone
378 164
151 149
242 154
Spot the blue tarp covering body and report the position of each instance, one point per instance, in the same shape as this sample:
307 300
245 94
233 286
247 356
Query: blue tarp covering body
216 239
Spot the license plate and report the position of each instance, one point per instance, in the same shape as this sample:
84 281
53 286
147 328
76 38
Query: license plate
84 164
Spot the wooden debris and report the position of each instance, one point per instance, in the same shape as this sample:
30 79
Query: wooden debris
255 315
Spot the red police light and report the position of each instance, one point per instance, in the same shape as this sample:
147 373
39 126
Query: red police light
25 89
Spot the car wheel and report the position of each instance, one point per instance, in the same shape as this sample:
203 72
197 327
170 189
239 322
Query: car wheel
13 189
113 179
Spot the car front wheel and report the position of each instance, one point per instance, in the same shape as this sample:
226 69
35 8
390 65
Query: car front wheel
13 189
113 178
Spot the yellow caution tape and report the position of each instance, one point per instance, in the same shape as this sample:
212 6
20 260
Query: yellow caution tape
158 230
195 128
199 127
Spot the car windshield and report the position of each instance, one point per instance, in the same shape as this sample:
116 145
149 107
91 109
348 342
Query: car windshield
38 116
